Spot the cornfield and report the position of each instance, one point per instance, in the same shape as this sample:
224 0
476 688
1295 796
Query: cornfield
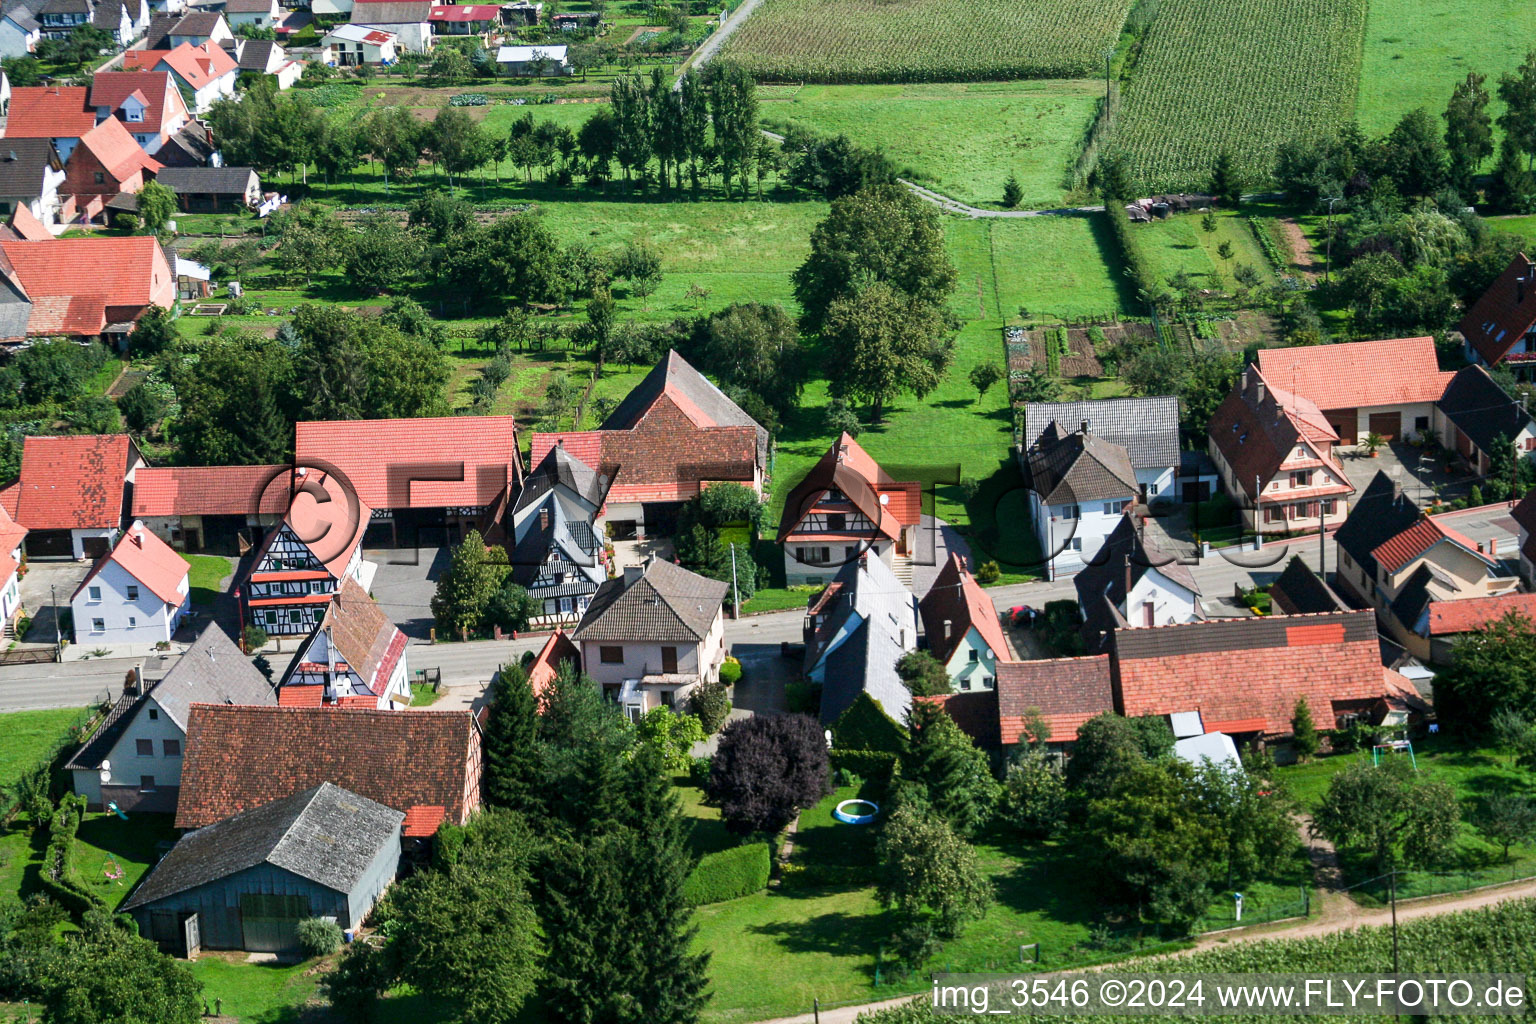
849 41
1235 75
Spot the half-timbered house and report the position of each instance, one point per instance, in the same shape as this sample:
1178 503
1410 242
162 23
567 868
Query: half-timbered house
303 562
354 658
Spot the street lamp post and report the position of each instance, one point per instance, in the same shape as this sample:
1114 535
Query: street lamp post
58 637
1328 266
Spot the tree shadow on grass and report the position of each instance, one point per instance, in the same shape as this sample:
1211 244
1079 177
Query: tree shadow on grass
837 933
1109 252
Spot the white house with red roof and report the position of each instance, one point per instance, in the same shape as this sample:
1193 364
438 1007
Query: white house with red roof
146 102
136 594
1385 387
452 473
1274 451
12 534
963 629
347 46
207 71
354 658
845 506
219 509
57 112
304 561
71 494
89 287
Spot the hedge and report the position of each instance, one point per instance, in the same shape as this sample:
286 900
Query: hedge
58 875
727 874
876 766
866 726
1145 280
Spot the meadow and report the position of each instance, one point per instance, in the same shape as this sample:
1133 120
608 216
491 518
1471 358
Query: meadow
1417 50
962 139
1240 77
926 40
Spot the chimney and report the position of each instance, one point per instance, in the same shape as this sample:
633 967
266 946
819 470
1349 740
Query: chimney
1127 582
842 453
1480 547
1493 547
632 573
544 517
1084 425
949 627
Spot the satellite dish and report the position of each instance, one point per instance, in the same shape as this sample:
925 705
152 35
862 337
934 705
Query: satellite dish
885 499
106 765
106 776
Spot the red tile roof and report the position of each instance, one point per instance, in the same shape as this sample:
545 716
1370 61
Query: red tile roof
243 756
974 712
665 457
1360 373
11 536
1504 313
320 506
1258 426
301 696
198 65
210 490
1243 669
1402 549
25 223
148 559
957 598
465 12
417 463
847 468
134 60
50 112
73 281
73 482
157 89
546 666
116 150
1467 614
423 820
1065 691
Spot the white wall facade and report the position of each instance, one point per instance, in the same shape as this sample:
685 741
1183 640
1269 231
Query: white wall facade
1070 535
1169 602
166 744
106 612
973 665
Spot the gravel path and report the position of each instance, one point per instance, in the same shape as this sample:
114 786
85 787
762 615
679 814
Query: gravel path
711 46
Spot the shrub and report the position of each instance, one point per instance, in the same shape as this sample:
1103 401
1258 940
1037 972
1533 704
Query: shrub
801 698
58 875
866 726
766 769
712 704
730 672
318 936
698 772
988 572
727 874
254 636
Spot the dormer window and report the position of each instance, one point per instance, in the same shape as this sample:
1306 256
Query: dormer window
133 113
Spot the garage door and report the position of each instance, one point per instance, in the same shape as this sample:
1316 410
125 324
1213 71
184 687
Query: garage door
50 544
1388 424
271 922
95 547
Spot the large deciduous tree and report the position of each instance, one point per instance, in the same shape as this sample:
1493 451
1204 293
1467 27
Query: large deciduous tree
886 343
766 769
1493 669
1468 130
1391 813
929 877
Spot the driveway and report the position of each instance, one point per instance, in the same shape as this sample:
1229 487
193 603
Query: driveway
404 584
43 582
1420 476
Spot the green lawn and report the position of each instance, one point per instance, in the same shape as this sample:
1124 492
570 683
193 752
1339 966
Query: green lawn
1475 773
1513 225
423 695
207 576
1182 243
1417 50
1058 267
31 736
255 993
106 845
962 139
775 599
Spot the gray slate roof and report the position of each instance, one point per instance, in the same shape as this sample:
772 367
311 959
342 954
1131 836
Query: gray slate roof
561 468
23 12
392 12
1147 428
1300 591
1481 409
327 834
1380 513
15 309
866 660
213 671
1101 585
667 604
202 180
1069 468
256 53
554 543
21 166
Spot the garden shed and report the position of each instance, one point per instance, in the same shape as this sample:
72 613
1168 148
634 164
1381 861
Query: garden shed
247 881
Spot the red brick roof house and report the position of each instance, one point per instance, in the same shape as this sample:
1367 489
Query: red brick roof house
73 493
107 163
1066 692
846 505
1275 450
91 287
1245 676
557 650
207 70
458 472
1386 387
426 764
673 435
963 629
12 535
136 595
1412 567
354 658
1501 325
146 103
219 509
307 558
58 112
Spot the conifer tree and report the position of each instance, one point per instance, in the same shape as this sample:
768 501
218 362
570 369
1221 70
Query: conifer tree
1304 731
511 754
954 771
